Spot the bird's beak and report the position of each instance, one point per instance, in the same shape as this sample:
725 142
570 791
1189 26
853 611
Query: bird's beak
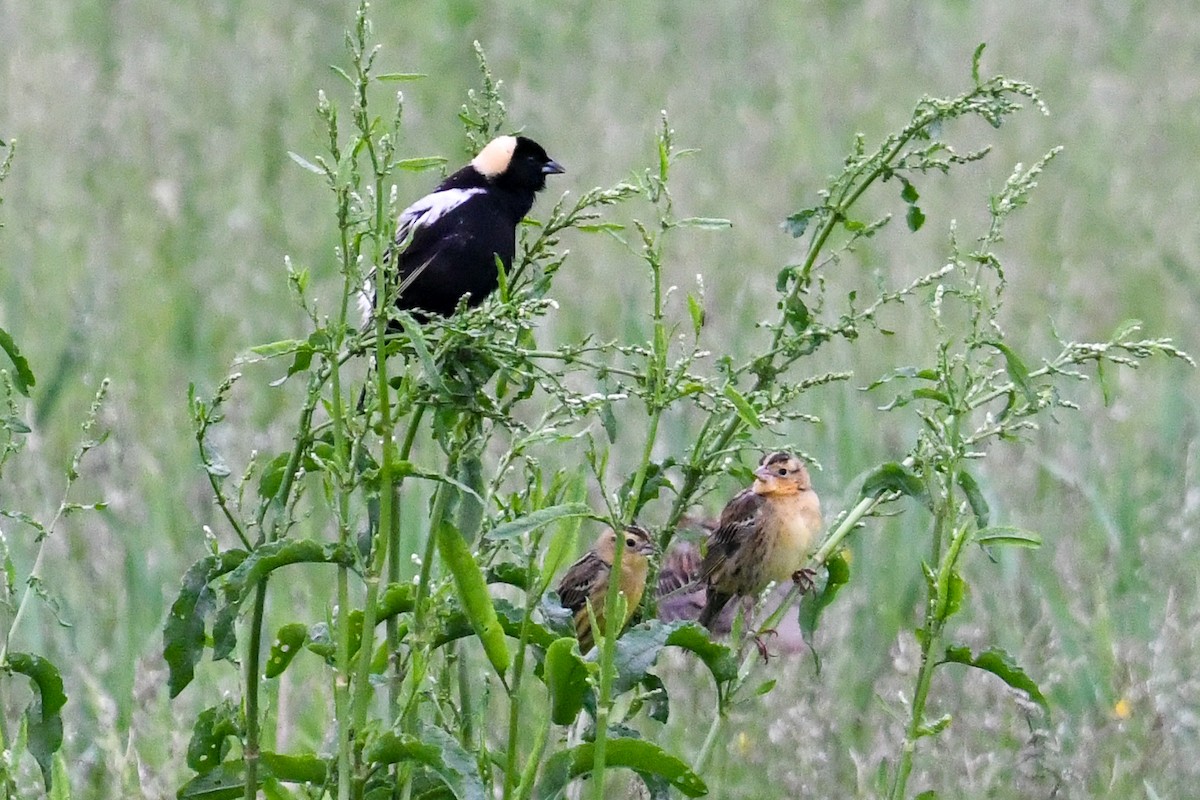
552 167
763 473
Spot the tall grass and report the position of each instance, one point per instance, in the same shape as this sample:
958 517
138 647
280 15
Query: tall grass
153 180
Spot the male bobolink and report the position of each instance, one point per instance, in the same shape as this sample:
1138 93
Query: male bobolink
448 241
587 579
765 534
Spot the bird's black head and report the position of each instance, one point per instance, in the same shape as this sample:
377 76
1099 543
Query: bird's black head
516 163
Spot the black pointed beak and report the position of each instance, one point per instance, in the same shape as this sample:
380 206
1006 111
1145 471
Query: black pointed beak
552 167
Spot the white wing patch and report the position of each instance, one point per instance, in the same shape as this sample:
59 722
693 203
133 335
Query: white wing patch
421 214
429 209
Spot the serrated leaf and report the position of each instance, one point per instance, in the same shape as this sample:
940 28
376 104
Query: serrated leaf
183 632
636 754
287 642
1001 664
566 676
1004 535
22 379
893 477
511 531
979 505
437 750
742 406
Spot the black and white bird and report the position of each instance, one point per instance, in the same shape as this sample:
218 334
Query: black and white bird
447 242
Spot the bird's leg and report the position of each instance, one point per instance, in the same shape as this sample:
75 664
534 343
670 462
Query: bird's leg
804 579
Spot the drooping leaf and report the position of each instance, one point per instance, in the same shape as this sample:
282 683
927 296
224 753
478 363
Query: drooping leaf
742 406
43 721
812 605
636 754
22 379
796 224
566 676
437 750
979 505
1003 535
473 593
915 218
1018 373
639 647
211 736
1001 664
287 642
893 477
183 632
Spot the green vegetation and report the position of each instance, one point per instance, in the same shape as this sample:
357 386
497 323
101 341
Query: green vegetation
1008 486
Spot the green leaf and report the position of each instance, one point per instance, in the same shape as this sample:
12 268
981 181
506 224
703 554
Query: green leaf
639 647
43 721
211 736
979 505
915 218
288 641
909 193
636 754
600 227
705 223
469 505
305 163
813 605
893 477
183 632
420 164
566 532
227 782
1018 373
696 311
566 676
511 531
743 407
428 366
956 592
653 482
1003 535
975 59
1001 664
797 223
473 593
437 750
401 76
23 379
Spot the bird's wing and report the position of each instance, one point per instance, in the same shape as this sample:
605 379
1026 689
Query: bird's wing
428 210
737 523
681 567
577 583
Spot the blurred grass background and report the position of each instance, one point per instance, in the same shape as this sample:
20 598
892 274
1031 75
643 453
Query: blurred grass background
152 202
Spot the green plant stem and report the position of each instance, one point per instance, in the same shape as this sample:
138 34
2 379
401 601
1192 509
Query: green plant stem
394 564
269 534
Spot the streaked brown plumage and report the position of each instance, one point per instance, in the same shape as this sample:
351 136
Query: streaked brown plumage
765 534
587 579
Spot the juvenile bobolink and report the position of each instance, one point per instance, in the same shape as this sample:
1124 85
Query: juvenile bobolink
765 534
449 240
587 579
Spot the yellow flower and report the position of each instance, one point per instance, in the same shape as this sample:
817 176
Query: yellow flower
1123 709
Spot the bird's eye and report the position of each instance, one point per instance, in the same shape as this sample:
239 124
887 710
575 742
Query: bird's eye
781 472
631 542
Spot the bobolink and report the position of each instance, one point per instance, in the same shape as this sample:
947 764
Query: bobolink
449 240
765 534
587 579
